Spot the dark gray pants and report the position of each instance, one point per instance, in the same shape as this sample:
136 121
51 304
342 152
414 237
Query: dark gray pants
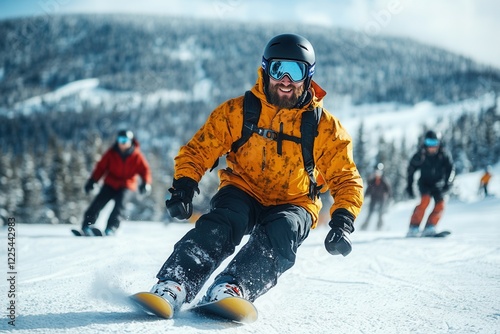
275 234
106 194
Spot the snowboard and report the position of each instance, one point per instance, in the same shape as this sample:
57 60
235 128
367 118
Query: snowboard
231 308
153 304
441 234
95 231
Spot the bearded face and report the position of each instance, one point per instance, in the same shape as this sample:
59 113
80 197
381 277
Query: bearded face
285 93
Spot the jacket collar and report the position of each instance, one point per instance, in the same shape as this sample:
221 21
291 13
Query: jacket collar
128 152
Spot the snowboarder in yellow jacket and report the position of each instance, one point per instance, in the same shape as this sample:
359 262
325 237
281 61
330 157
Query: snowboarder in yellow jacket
265 191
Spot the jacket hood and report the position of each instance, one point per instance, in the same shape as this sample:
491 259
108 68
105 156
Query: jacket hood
318 93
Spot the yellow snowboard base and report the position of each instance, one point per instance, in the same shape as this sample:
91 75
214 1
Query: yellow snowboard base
152 303
231 308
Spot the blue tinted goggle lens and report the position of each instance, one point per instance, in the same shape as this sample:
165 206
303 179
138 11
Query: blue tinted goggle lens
123 140
431 142
296 71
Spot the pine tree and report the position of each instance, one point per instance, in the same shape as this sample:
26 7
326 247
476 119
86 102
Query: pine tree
8 196
30 209
75 194
491 135
400 165
359 151
383 154
56 196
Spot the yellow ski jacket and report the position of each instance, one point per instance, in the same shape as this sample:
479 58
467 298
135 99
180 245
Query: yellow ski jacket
257 168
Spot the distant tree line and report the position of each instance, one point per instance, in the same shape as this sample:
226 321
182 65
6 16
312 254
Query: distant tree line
148 53
42 177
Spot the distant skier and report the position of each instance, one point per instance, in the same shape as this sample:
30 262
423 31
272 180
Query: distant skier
266 191
485 180
436 178
119 166
379 192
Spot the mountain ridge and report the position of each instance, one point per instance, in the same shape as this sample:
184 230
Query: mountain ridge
146 53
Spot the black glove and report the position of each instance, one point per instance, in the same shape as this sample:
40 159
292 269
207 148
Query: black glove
180 205
337 241
145 188
89 186
446 187
409 191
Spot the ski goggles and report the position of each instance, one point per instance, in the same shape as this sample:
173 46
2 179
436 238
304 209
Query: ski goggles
431 142
296 70
123 140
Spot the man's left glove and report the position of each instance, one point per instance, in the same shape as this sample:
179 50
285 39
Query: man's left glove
145 188
180 205
337 241
446 187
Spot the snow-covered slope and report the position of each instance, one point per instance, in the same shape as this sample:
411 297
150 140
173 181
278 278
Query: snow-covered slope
77 94
388 284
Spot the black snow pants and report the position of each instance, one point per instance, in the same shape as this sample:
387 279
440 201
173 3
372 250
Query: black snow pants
107 193
275 234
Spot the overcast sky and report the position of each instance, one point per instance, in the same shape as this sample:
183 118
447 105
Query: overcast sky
468 27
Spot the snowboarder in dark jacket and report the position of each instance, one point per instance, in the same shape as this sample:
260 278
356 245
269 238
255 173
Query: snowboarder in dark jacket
379 192
119 166
436 178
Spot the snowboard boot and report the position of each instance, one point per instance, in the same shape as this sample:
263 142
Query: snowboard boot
87 231
221 291
412 231
109 231
429 231
172 292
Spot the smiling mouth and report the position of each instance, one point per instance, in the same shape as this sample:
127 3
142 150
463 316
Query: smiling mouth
285 90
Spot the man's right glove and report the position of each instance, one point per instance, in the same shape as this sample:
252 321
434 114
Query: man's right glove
180 205
409 191
89 186
337 241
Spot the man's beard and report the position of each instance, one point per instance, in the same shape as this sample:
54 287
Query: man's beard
285 102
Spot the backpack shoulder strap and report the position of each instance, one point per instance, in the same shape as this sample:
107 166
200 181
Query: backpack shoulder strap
251 115
308 132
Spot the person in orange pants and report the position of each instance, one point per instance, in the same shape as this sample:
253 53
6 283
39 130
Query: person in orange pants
436 177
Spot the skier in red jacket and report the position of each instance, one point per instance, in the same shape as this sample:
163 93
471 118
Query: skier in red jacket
119 166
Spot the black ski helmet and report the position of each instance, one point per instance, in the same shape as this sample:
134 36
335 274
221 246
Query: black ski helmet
290 47
126 133
432 135
432 138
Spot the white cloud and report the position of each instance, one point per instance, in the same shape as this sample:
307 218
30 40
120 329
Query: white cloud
464 26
